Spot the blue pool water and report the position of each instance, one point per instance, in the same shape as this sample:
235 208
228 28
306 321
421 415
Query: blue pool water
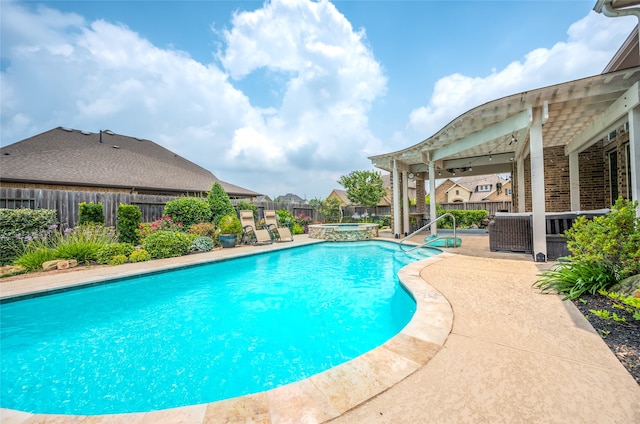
202 333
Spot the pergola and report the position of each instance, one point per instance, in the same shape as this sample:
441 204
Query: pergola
496 136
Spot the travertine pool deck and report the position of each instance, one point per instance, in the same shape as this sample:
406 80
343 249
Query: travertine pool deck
483 347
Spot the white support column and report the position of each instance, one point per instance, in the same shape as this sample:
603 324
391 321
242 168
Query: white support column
521 190
574 181
396 200
405 204
432 197
537 188
634 141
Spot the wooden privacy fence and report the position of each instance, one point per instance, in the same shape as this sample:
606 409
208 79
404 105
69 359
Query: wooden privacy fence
65 202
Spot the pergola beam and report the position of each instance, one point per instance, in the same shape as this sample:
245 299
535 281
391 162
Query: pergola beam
503 128
612 117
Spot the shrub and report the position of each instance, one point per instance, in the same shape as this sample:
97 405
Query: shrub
89 213
118 260
108 251
203 229
167 244
18 224
573 279
188 210
202 244
128 220
140 255
464 219
165 224
243 205
230 224
297 229
34 259
612 240
219 203
285 217
83 242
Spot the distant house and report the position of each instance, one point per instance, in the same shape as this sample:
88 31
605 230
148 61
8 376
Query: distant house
479 188
290 198
68 159
61 167
382 208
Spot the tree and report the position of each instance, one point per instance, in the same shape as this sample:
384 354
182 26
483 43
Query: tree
330 208
219 203
364 188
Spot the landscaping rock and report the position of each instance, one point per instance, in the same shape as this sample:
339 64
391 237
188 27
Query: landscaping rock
59 264
50 265
8 270
629 286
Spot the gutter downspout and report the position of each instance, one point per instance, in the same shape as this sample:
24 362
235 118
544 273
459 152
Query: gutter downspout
604 7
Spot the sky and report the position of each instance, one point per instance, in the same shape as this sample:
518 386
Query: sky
284 96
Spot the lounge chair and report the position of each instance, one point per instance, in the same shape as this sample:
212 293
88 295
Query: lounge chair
271 222
251 233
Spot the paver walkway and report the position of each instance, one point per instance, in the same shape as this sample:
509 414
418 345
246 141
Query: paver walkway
514 355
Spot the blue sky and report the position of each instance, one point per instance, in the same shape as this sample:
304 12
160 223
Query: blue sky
288 95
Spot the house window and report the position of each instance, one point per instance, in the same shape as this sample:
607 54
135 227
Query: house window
457 192
486 187
509 191
613 175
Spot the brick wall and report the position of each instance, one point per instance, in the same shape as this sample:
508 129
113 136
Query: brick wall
593 165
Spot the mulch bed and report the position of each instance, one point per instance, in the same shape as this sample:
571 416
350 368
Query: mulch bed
623 338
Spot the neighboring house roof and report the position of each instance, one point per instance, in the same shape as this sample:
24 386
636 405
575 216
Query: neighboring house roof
341 195
64 156
290 197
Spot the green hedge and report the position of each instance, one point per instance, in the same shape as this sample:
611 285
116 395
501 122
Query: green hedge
90 213
15 224
464 219
129 218
167 244
188 210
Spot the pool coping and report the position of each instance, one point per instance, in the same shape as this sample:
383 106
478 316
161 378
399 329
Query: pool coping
319 398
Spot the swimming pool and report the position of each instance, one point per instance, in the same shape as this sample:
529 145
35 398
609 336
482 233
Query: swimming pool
109 371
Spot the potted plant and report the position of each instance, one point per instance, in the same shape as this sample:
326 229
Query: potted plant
230 229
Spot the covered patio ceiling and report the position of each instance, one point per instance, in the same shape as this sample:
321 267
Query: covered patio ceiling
488 138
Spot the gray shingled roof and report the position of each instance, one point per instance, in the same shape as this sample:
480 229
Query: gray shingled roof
72 157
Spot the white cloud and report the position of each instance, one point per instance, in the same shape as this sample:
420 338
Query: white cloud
64 71
591 43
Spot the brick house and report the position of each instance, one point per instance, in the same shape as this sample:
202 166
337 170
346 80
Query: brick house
572 146
480 188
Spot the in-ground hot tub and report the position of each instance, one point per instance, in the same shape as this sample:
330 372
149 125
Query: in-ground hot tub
343 232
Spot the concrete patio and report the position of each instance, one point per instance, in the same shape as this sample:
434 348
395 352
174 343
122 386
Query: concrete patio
509 355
